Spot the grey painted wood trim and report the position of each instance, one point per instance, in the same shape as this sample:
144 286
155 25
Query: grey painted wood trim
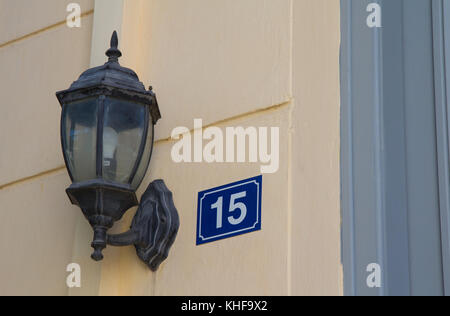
360 148
441 42
373 172
395 198
347 200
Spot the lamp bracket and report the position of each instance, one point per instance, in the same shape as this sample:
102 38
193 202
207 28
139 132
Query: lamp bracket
154 227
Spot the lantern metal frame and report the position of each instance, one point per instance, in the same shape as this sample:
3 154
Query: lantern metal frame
104 202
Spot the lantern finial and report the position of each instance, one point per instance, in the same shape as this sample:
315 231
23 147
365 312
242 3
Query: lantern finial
114 53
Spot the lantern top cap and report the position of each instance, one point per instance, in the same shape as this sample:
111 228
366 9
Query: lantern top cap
111 79
111 74
113 52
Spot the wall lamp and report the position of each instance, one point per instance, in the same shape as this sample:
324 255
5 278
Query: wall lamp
107 134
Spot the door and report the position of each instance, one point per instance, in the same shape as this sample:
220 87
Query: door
394 155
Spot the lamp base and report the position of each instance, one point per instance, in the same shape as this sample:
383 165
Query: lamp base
102 203
154 227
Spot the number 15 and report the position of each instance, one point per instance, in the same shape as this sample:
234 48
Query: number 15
233 207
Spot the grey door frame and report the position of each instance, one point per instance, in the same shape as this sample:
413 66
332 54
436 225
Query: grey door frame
441 42
374 199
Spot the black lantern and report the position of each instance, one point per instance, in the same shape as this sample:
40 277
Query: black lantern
107 132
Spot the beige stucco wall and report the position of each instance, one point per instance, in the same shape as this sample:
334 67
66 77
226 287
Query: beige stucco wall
261 63
316 218
242 63
39 55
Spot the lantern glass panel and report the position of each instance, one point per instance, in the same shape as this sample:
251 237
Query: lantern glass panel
143 165
124 126
79 127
